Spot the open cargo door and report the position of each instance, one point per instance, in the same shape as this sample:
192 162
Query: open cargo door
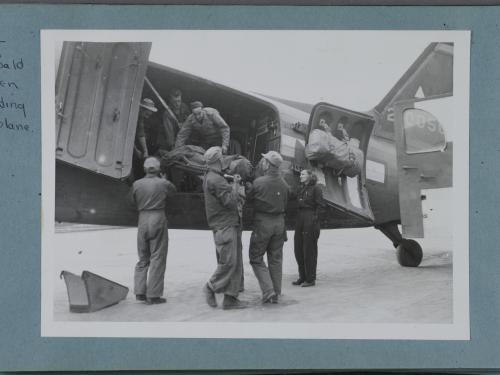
98 91
340 191
424 154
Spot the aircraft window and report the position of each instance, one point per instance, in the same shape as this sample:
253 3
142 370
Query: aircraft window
423 132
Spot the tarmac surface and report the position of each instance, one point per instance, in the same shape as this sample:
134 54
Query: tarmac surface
359 279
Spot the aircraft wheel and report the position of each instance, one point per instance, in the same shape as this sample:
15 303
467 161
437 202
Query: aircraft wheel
409 253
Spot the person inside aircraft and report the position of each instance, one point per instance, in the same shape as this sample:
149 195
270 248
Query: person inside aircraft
323 125
178 107
146 110
307 228
205 127
141 149
340 132
173 116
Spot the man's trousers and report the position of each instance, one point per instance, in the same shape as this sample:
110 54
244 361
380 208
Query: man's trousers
306 244
268 237
152 247
227 276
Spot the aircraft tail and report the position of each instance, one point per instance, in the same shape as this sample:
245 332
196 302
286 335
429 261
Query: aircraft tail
431 75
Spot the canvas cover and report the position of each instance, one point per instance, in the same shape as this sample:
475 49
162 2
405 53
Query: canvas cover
326 149
190 159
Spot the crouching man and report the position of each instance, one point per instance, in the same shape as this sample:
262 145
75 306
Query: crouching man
148 195
221 207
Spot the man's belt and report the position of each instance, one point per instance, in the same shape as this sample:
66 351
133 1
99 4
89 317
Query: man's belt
270 213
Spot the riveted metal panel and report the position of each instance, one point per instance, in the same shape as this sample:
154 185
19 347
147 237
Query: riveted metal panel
98 90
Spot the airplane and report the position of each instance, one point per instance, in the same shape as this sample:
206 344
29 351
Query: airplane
98 90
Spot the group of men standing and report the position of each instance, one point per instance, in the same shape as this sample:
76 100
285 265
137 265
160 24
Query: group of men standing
223 207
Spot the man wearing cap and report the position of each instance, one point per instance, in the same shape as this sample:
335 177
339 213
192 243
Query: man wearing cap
204 127
269 194
221 207
148 195
146 110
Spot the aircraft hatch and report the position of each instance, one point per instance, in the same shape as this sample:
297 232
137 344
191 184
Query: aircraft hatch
343 188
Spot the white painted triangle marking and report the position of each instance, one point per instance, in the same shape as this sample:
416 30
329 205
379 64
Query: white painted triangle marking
420 93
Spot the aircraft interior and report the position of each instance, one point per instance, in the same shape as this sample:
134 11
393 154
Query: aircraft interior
253 123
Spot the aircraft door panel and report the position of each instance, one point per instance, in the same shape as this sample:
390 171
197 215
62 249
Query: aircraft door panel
344 191
424 156
98 90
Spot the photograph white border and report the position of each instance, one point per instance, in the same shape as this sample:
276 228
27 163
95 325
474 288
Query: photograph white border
458 330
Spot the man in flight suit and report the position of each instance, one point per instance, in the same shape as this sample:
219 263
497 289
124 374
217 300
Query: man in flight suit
270 196
221 205
149 195
205 127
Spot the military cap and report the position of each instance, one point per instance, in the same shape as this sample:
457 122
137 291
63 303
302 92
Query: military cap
151 165
274 158
196 104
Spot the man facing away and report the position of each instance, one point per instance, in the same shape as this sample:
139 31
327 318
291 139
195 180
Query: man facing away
149 195
205 127
221 205
269 194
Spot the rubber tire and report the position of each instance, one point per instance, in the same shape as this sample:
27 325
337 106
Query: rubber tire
409 253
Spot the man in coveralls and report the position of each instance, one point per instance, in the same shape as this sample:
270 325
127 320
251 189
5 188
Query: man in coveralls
149 195
270 196
221 205
205 127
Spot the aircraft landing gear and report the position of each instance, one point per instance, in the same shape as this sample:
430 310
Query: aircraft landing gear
408 252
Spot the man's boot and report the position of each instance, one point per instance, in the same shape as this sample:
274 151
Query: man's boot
209 296
232 303
155 300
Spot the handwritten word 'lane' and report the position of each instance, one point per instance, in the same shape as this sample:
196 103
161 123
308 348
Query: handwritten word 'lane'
13 125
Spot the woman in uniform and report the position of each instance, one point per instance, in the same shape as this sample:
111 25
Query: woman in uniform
307 228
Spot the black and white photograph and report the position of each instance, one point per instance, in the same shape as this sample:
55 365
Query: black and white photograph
255 184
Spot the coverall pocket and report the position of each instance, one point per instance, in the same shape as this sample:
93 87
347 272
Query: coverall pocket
222 236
